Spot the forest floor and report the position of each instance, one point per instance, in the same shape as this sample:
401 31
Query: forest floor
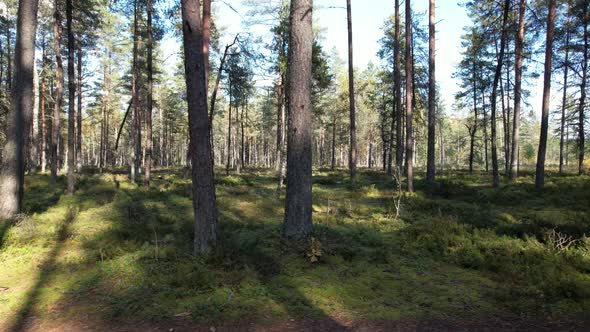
461 256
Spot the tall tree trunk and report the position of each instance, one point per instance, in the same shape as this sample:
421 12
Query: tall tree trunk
540 172
12 174
204 202
150 86
79 110
298 203
517 92
333 161
42 118
473 130
352 155
498 72
582 104
431 167
564 101
59 83
71 99
409 99
135 123
399 147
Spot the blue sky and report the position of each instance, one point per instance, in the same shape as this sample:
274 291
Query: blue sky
368 18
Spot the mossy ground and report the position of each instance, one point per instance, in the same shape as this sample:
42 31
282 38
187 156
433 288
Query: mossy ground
461 248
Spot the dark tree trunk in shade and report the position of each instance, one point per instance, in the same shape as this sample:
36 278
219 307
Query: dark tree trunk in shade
498 72
12 174
352 154
79 110
582 104
430 166
399 147
542 152
298 203
229 126
204 202
150 96
71 99
136 122
518 92
409 100
59 83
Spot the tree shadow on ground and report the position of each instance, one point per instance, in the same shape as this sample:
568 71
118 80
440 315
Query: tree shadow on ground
45 273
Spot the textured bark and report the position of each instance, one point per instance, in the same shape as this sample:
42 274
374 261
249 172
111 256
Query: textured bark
59 83
409 100
12 174
582 104
298 203
71 99
430 164
352 154
79 109
43 121
204 202
150 94
540 173
399 147
498 72
518 92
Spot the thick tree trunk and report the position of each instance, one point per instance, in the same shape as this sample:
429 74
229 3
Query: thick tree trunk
71 99
12 174
399 148
298 203
59 82
409 100
352 154
498 72
540 172
150 93
79 110
204 202
431 167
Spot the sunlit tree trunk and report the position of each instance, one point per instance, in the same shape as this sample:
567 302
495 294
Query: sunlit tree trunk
518 92
540 172
431 167
399 147
409 100
150 91
71 99
352 155
204 202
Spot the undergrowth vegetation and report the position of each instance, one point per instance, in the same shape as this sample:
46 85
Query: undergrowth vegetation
116 250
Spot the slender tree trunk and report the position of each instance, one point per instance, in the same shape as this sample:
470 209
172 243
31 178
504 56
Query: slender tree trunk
204 202
12 174
431 167
498 72
409 99
71 99
42 118
473 131
136 123
564 101
352 155
540 172
399 147
8 57
582 104
517 92
150 86
79 110
229 145
298 203
59 82
333 162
